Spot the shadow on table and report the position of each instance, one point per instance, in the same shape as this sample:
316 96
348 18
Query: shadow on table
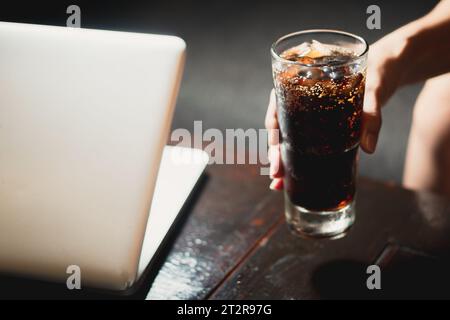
412 277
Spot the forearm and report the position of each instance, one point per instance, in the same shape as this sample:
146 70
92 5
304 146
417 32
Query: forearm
425 49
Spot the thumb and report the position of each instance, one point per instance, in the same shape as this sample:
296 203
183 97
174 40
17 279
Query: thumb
371 121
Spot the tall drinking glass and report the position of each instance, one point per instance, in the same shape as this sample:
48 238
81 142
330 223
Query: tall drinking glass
319 78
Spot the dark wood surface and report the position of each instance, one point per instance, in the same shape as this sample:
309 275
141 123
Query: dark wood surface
233 243
236 245
232 214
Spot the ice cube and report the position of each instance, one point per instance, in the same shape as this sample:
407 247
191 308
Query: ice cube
318 49
295 52
315 52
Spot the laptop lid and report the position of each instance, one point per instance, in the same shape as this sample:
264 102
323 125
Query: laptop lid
84 116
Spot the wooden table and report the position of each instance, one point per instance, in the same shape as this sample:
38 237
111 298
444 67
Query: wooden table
233 243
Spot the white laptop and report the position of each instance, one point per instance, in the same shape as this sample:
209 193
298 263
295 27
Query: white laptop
84 117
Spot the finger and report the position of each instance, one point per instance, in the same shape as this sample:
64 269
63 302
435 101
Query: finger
271 121
371 121
273 137
276 166
276 184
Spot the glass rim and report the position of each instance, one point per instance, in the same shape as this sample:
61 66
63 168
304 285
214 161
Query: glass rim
293 34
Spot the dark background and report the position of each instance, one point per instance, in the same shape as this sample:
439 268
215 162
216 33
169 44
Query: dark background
228 75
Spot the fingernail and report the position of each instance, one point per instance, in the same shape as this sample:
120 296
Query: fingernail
276 184
273 184
274 165
371 141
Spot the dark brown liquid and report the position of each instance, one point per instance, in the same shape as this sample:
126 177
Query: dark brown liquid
320 123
